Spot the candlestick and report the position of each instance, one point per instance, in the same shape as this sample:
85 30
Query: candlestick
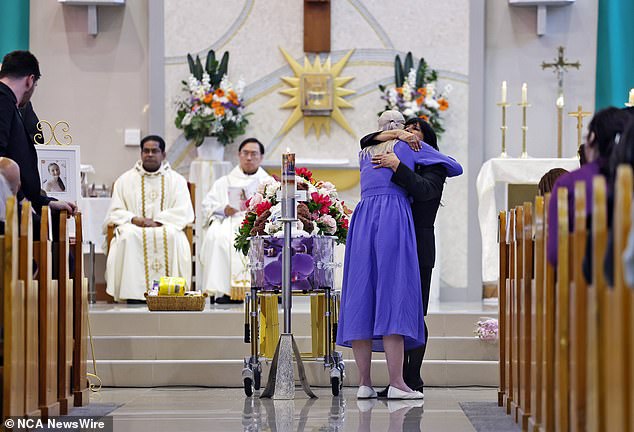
503 128
524 104
560 123
524 93
579 114
630 103
288 186
503 92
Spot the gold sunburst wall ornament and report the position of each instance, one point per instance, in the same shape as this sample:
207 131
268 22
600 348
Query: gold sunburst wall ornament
317 93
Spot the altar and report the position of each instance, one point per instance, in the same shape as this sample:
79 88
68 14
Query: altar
507 171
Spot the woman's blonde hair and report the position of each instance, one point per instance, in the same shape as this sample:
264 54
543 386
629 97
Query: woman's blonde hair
389 120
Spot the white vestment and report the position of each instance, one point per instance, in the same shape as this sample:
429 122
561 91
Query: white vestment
222 266
138 256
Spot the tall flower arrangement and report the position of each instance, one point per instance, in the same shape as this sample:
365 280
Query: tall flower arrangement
323 213
415 93
213 107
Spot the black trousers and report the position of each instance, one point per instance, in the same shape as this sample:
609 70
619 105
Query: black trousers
413 359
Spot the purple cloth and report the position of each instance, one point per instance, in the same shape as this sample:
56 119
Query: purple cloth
585 174
381 292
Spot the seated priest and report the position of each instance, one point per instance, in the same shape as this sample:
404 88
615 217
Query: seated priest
150 208
224 207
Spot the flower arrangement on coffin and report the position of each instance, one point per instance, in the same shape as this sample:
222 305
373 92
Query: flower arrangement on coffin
487 329
322 214
415 93
213 107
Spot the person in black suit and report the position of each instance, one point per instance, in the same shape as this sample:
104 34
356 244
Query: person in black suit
424 185
19 75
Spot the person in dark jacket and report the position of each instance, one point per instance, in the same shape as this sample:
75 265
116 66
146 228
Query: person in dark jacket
18 78
424 185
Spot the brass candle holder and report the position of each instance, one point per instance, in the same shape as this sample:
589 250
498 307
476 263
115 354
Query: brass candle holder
503 128
524 106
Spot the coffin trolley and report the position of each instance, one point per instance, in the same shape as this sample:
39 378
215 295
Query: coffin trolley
312 275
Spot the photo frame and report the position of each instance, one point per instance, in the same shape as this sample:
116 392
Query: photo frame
59 168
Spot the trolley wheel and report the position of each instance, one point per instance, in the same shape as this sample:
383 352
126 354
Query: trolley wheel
256 379
248 387
334 383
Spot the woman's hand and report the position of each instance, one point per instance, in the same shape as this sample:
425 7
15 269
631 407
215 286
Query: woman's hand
387 160
410 139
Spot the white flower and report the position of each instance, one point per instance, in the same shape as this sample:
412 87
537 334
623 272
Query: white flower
207 111
411 78
256 199
325 185
187 119
431 103
431 90
329 222
407 112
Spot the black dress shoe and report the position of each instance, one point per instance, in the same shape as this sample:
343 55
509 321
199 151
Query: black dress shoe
212 299
383 393
225 299
134 301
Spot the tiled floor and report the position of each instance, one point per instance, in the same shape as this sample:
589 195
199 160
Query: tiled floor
185 409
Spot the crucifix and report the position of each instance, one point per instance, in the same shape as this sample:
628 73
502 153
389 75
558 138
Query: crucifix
580 114
560 67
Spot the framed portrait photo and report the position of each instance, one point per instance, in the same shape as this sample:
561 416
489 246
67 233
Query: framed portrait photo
59 169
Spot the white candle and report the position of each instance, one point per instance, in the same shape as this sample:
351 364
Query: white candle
632 97
503 91
560 101
524 93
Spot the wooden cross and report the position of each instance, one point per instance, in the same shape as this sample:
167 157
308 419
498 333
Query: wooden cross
580 114
317 26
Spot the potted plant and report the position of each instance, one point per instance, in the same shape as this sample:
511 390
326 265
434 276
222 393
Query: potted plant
212 114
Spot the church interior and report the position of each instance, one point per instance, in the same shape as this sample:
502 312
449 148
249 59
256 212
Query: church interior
204 217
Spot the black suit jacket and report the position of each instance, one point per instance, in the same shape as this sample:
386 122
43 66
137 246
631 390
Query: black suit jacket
16 144
424 185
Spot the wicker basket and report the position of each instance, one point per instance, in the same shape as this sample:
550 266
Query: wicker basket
174 303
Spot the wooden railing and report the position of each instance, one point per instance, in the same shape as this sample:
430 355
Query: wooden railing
44 320
567 347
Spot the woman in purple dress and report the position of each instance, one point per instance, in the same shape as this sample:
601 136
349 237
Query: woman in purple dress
381 305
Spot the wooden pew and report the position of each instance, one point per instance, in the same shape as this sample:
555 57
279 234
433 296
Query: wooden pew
525 315
537 318
518 401
47 288
80 322
596 402
510 301
617 319
13 316
562 353
548 341
502 282
65 323
31 358
578 315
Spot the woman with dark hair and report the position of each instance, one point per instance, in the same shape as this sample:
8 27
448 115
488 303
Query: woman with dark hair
424 184
547 182
54 183
604 127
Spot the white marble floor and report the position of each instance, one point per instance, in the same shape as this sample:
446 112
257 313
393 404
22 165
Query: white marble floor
185 409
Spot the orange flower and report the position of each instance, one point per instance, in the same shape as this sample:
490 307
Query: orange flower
399 90
216 104
208 97
220 111
424 117
420 100
422 91
220 92
443 104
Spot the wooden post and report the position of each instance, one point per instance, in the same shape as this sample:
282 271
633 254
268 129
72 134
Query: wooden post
80 322
562 353
31 382
537 318
579 316
548 369
526 334
517 313
510 324
502 281
47 322
65 323
13 370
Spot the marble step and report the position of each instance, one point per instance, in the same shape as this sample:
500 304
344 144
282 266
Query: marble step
230 322
227 373
233 347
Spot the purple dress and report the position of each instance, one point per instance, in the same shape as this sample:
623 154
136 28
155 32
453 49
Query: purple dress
381 292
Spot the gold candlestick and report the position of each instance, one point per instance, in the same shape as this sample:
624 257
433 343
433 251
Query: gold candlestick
580 114
524 106
503 128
